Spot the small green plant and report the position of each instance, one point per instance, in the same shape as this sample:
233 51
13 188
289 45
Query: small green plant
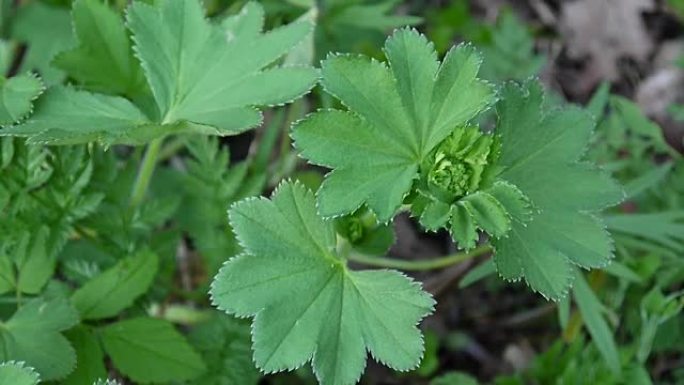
94 225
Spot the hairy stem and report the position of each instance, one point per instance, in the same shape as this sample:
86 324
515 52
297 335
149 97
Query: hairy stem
430 264
145 172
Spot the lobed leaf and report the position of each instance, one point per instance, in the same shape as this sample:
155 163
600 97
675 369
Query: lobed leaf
396 116
203 78
103 43
67 116
16 373
197 74
541 156
306 304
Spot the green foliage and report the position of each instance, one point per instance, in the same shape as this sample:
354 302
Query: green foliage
16 95
32 335
590 307
107 294
346 26
46 29
16 373
210 184
103 43
397 117
306 303
203 78
539 154
454 378
89 356
225 344
509 50
507 46
107 251
404 137
150 350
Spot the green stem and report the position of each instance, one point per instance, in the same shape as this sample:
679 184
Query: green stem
430 264
145 172
171 148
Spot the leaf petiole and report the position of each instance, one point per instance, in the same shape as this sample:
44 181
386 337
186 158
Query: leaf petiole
145 172
421 265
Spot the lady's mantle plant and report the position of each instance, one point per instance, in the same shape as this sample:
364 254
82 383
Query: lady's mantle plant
406 138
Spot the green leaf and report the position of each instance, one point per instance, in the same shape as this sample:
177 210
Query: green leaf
15 373
115 289
202 79
540 156
647 180
103 44
46 30
397 116
90 364
32 335
198 75
591 310
33 262
515 203
65 116
510 52
463 228
488 213
664 228
248 23
306 303
16 95
150 350
435 215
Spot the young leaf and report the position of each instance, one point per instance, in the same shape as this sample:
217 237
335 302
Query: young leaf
16 373
306 303
202 79
150 350
397 116
114 290
540 155
32 335
16 95
103 43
